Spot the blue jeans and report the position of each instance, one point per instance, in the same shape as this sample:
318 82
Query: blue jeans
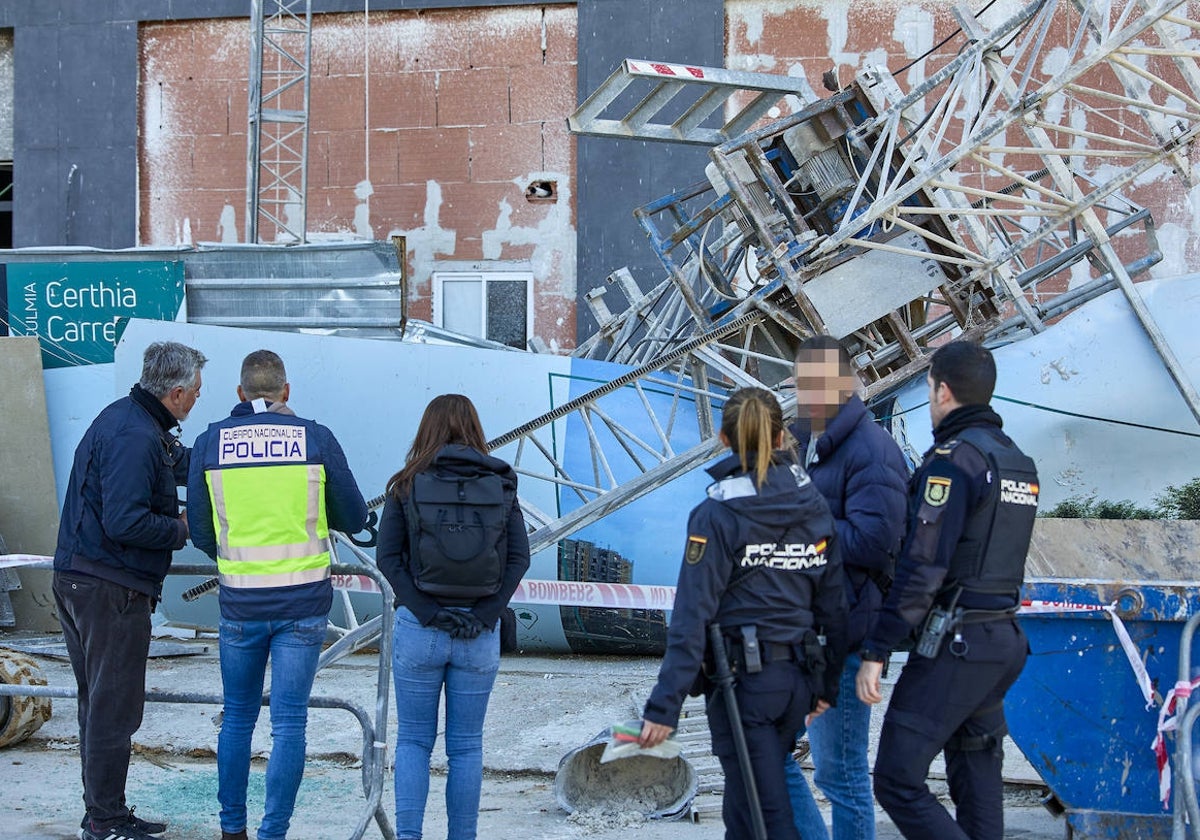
839 753
424 659
293 646
809 822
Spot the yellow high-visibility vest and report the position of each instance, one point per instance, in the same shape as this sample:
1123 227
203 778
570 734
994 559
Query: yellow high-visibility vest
270 524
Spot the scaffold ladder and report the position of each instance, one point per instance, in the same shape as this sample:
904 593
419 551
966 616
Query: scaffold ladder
655 100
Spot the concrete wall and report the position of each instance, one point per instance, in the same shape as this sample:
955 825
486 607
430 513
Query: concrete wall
74 133
616 176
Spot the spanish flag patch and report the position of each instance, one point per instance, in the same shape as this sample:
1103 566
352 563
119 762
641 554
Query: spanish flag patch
695 549
937 490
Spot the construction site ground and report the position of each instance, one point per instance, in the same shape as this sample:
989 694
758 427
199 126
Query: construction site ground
541 709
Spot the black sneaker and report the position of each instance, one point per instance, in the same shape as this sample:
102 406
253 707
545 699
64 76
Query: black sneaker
127 830
147 826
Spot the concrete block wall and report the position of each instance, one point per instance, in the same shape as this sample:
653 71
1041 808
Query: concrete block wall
465 108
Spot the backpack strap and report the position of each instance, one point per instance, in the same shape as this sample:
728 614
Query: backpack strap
409 505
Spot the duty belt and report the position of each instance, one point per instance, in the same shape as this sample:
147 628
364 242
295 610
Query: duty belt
771 652
980 616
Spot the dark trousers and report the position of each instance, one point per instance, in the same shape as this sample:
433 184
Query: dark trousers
107 631
952 703
772 704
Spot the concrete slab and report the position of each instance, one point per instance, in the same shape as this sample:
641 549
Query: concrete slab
28 503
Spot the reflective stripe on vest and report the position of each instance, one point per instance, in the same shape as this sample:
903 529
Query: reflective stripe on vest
278 534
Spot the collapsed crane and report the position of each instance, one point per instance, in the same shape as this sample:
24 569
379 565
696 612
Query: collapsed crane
892 221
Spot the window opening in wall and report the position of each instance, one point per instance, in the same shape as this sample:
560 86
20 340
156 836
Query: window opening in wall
6 204
495 305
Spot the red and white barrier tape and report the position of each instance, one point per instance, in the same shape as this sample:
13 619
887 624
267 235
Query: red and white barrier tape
1169 724
565 593
1035 607
1167 719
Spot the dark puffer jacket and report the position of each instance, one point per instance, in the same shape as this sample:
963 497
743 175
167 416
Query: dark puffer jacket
120 518
863 476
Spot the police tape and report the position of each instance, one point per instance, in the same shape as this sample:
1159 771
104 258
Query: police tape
1168 721
1167 716
564 593
32 561
577 593
1035 607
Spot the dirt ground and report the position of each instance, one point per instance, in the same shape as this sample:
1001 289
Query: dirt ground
541 709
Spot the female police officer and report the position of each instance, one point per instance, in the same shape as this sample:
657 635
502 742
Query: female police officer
757 562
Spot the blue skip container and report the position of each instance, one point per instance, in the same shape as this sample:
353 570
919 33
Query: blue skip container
1078 711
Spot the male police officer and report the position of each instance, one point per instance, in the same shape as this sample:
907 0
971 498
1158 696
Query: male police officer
264 490
972 505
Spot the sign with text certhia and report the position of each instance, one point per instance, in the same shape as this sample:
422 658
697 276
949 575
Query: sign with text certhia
78 309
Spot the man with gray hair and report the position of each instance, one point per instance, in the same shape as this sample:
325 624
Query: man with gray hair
265 489
120 523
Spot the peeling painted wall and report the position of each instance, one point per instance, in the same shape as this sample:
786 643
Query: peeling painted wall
427 124
6 94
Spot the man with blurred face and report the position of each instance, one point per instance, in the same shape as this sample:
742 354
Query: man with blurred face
859 470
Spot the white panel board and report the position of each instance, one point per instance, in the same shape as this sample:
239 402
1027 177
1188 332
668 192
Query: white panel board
1098 362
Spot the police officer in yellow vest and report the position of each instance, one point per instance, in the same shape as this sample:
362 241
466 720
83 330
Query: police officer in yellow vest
264 490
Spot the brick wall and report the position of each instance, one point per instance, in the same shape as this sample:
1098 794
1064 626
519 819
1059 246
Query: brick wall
465 109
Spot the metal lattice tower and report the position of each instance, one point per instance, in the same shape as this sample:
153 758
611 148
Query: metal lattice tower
892 220
277 157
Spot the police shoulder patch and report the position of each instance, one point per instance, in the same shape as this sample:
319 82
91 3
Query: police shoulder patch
937 490
695 549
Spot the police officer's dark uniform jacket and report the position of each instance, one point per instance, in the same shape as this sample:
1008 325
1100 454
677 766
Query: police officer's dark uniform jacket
756 557
972 508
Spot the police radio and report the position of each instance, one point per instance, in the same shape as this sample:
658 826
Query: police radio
939 622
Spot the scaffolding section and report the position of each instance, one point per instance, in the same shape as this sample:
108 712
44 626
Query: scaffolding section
277 154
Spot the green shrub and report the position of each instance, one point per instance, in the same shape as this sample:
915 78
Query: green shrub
1091 508
1072 508
1180 502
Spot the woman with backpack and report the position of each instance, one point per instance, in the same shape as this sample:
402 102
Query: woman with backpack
758 573
452 544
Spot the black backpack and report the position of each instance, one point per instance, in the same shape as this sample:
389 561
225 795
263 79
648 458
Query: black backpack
457 534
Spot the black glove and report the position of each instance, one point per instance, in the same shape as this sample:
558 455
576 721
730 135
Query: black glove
470 628
447 620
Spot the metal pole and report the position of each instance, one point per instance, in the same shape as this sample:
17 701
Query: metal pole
1185 791
724 679
254 126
